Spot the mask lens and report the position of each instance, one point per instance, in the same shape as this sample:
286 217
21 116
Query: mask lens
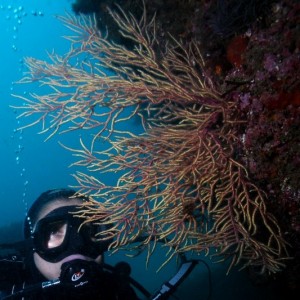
90 231
50 234
55 234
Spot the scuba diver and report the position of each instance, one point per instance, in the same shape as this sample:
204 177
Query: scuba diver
60 258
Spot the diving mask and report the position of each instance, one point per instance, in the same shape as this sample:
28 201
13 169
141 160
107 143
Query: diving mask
60 234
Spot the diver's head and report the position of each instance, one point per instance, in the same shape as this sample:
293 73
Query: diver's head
57 234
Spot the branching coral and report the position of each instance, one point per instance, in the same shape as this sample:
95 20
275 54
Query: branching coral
181 181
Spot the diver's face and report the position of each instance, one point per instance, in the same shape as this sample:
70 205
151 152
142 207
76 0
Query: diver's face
52 270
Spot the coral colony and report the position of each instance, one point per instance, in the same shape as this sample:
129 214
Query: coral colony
216 168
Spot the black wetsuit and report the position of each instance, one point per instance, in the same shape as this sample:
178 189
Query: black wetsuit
108 286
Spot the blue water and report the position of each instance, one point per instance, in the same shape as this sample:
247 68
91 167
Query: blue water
29 165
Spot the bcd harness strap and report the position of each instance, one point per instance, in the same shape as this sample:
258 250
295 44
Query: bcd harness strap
165 291
170 286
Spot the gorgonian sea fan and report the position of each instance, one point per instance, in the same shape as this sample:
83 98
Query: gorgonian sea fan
181 182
